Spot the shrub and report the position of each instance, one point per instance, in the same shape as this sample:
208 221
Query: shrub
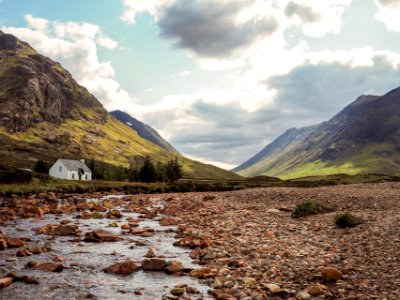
41 167
347 220
308 208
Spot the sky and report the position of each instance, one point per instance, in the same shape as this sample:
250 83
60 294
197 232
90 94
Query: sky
219 79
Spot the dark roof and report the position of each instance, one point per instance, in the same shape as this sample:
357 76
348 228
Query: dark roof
74 165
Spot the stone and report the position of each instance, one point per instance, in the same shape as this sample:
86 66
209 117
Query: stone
331 274
154 264
177 291
249 281
50 267
6 281
123 268
303 295
14 243
151 253
125 227
23 253
174 267
273 288
114 214
100 235
315 290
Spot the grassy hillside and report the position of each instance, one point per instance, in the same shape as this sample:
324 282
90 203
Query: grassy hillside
45 115
364 138
112 143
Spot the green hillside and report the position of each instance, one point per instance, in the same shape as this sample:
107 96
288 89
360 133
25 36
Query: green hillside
45 114
364 138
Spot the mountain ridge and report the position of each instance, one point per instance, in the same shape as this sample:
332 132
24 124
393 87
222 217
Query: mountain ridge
144 130
364 137
45 114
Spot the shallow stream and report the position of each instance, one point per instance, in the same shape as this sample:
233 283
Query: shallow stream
83 276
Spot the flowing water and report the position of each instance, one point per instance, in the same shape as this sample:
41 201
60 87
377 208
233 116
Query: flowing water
83 276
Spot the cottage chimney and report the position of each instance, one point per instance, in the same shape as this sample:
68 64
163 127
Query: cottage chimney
82 161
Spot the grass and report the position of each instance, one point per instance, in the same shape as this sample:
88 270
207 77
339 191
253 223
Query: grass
308 208
347 220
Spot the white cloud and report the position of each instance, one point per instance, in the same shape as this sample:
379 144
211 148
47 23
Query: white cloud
389 14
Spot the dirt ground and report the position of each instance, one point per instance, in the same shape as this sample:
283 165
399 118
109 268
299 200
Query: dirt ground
244 244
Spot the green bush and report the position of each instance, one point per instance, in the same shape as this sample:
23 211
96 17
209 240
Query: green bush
347 220
310 207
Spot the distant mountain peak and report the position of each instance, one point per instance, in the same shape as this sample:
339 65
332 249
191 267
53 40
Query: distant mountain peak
143 130
362 138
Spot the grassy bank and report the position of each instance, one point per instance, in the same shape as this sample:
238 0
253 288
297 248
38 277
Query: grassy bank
45 185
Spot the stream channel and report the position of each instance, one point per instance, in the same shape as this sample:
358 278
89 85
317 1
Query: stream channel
83 276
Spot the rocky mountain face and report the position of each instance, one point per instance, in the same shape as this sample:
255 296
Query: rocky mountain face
143 130
35 89
45 114
363 138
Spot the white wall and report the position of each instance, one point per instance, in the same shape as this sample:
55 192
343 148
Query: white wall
58 170
63 173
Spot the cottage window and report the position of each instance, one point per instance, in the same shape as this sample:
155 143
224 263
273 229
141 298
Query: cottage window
86 177
73 175
60 168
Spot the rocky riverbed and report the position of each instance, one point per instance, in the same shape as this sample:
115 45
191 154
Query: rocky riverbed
230 245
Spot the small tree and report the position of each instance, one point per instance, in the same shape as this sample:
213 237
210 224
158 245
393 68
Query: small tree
173 170
160 171
133 173
41 167
147 172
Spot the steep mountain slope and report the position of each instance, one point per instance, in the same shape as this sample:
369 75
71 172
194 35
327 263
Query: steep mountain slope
45 114
363 138
143 130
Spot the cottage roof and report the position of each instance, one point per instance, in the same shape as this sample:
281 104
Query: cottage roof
75 165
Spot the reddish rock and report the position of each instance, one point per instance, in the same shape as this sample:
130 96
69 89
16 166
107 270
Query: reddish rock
14 243
114 214
59 230
330 274
204 273
174 267
23 252
6 281
101 236
50 267
154 264
208 198
123 268
170 221
64 230
315 290
205 243
58 259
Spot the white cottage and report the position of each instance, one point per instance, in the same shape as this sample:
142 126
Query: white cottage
70 170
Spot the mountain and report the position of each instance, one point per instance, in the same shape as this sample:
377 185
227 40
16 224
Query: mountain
363 138
143 130
45 114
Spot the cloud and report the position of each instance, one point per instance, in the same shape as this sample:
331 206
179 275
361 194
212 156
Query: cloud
304 13
316 18
218 125
215 32
388 13
75 46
